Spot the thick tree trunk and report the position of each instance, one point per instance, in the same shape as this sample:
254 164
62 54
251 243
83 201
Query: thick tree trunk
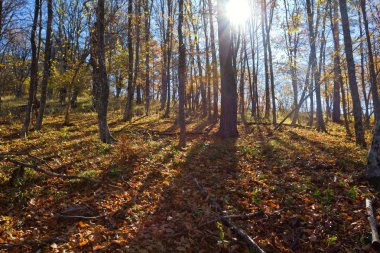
357 110
181 78
100 81
373 166
33 71
228 117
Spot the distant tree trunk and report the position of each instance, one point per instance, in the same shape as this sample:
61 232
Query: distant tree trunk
47 65
100 80
362 74
338 80
357 110
33 71
215 76
270 62
311 90
208 66
265 47
181 78
169 43
316 73
128 112
200 71
148 10
228 117
372 71
242 81
137 50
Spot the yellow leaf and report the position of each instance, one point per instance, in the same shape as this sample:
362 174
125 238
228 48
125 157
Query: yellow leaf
84 242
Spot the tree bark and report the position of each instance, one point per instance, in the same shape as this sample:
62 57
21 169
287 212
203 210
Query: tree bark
33 71
128 112
100 80
372 71
228 117
181 77
47 65
215 76
357 110
338 80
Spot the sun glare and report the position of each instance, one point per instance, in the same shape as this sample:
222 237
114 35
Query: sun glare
238 11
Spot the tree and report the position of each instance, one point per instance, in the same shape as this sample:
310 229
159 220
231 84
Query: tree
181 77
214 64
47 65
316 73
357 110
130 89
228 116
100 80
372 71
33 71
338 80
147 10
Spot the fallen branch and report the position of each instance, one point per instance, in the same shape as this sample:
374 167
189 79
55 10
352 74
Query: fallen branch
46 172
373 224
234 216
252 245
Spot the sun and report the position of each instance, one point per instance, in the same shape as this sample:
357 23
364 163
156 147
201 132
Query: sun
238 11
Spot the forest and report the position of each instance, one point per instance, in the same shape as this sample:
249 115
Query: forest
189 126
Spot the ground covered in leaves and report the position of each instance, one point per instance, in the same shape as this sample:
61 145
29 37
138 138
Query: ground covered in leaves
304 190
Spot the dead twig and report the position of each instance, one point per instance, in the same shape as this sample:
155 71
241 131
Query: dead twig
251 244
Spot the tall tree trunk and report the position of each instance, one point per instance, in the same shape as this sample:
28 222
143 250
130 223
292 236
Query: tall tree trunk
208 66
148 10
316 73
169 43
47 65
270 58
200 72
265 46
338 80
100 80
228 117
362 74
357 110
128 112
242 81
215 76
181 78
33 71
137 50
372 71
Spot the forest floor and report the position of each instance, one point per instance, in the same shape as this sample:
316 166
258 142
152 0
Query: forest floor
305 191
